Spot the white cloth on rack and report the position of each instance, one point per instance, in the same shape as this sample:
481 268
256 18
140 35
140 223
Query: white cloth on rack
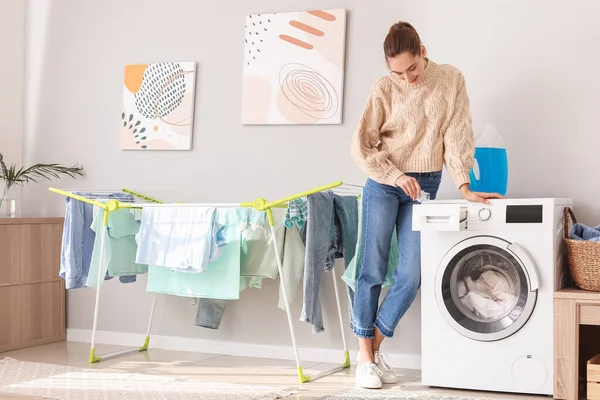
179 238
490 296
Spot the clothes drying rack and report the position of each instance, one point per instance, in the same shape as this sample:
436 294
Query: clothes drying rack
260 204
108 207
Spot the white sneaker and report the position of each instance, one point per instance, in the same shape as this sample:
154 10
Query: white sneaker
387 374
368 376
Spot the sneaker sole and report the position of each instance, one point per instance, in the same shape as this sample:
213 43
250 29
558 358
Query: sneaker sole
368 387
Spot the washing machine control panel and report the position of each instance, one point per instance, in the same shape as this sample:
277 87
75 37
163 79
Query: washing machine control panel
500 215
505 214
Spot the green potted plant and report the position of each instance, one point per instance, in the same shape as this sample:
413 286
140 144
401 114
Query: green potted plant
11 176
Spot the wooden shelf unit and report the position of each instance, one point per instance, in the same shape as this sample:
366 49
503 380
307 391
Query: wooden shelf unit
32 296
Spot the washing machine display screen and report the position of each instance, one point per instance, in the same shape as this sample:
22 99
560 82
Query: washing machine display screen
524 214
484 289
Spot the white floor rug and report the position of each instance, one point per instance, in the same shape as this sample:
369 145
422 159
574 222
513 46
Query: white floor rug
392 394
60 382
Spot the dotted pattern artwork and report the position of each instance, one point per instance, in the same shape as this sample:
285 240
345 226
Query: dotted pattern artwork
162 90
256 28
135 129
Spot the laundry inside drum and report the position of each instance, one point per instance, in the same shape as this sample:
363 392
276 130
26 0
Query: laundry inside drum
485 285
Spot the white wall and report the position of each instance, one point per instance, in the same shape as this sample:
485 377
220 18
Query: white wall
530 68
12 48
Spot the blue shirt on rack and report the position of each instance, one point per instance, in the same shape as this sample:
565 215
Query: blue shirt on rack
78 239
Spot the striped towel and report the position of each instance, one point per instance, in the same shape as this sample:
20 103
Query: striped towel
297 213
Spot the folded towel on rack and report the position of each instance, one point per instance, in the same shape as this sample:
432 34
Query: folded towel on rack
180 238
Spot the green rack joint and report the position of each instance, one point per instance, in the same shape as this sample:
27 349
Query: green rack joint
93 358
146 342
347 359
303 378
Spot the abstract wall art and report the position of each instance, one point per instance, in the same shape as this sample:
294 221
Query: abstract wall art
294 68
158 106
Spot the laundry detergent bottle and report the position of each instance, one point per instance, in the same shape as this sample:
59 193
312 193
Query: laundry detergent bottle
490 171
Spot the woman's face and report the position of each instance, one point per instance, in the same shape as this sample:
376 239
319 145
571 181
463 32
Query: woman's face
408 67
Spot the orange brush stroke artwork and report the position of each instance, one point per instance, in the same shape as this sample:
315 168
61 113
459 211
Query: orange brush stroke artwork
323 15
296 42
306 28
294 67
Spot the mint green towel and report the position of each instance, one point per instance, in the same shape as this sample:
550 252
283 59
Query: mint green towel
221 280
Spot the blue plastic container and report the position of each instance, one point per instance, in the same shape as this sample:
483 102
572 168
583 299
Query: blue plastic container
490 172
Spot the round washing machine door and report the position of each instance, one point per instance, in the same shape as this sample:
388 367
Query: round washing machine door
486 288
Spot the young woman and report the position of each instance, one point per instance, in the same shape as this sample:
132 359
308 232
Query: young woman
416 120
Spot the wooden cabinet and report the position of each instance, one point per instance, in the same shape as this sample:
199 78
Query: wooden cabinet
32 296
575 312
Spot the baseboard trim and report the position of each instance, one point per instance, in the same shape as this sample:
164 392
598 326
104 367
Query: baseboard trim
396 360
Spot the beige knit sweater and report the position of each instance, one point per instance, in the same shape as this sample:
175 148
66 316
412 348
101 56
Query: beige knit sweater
416 128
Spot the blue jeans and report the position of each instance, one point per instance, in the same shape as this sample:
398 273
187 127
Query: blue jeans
385 208
210 312
331 231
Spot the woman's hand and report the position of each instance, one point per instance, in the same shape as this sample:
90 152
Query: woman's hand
410 186
478 197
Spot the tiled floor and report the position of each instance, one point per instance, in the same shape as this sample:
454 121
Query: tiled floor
214 368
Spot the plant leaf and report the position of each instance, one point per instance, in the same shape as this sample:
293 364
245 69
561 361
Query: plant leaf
137 123
130 117
122 115
144 146
142 130
3 168
135 131
144 137
14 176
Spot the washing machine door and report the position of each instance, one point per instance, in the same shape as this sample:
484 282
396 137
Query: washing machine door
486 288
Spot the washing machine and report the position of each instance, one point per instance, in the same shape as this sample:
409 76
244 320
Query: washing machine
489 273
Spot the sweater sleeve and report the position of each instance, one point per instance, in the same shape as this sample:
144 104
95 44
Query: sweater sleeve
365 151
459 148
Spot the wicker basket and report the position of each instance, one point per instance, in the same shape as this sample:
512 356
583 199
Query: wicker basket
584 257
